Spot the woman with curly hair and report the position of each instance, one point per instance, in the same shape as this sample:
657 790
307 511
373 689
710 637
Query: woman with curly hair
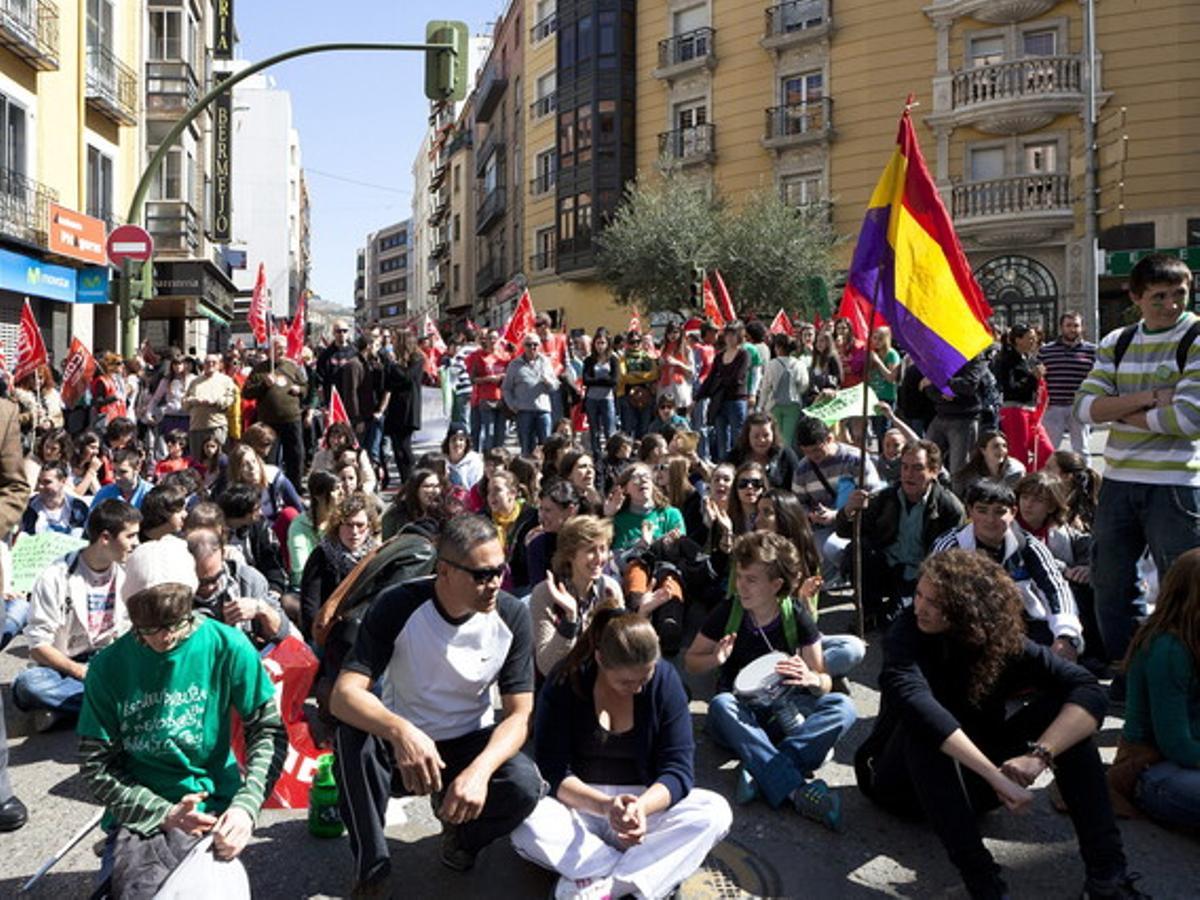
350 534
943 744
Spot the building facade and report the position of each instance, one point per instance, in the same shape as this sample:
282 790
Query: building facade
385 271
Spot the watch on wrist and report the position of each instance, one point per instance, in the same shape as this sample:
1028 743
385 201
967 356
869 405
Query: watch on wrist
1042 752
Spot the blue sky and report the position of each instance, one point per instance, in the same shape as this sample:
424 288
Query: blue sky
361 116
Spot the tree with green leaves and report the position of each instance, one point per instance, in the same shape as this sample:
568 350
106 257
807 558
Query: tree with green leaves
670 225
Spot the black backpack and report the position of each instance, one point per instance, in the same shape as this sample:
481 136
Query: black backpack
1181 352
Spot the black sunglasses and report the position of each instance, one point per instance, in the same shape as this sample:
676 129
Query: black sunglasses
744 483
479 576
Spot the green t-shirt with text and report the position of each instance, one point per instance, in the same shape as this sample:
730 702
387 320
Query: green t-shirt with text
627 525
169 713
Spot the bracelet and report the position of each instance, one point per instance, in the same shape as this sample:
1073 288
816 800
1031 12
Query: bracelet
1042 752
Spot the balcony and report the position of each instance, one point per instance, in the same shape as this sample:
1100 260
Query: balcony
441 246
543 106
544 28
686 53
112 87
462 139
491 88
1013 97
799 123
543 184
490 210
997 12
797 22
438 176
171 88
174 225
493 143
1024 209
441 209
25 207
29 28
542 262
690 146
490 276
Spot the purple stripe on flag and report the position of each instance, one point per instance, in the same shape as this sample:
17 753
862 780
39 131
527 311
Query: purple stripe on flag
874 258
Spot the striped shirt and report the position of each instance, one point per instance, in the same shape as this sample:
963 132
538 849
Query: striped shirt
843 463
1066 367
1169 452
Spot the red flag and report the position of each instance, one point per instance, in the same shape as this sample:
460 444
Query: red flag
521 322
3 358
781 324
711 310
337 411
818 322
257 317
692 324
635 321
146 352
724 301
855 308
31 349
78 369
295 334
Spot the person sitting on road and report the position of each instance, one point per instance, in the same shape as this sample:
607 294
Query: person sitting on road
339 437
163 512
127 483
53 508
234 593
418 503
779 747
155 745
989 461
943 743
1051 615
436 646
614 739
75 610
899 526
351 533
304 532
639 511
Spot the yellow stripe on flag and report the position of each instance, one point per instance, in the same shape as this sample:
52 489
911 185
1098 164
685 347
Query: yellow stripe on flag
925 285
889 190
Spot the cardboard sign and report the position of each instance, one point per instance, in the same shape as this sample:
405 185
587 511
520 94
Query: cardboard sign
33 553
842 405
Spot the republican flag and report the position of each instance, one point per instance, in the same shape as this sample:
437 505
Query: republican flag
782 324
257 317
724 301
909 265
521 321
78 368
711 310
295 333
31 349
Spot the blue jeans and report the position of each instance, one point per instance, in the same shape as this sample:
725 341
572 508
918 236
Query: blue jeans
1169 793
44 688
533 427
634 421
458 410
700 426
602 421
726 428
373 439
16 617
1129 518
842 653
487 427
780 766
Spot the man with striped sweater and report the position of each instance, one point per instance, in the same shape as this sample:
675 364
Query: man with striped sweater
1068 360
1146 387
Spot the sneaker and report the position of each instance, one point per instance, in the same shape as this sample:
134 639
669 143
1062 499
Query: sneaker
1120 888
745 788
44 720
815 801
583 888
454 855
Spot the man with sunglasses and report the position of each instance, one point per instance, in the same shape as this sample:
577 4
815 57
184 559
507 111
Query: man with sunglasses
529 384
433 648
233 592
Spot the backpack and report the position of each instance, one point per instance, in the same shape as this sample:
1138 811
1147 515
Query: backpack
1181 352
792 383
790 634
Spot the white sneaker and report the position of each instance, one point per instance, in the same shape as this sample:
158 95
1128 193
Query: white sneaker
583 888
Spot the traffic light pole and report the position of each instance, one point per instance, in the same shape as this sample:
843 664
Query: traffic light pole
131 300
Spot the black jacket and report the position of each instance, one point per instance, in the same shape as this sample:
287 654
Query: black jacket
881 518
965 401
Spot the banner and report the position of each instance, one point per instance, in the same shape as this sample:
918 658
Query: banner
257 316
295 334
33 553
782 324
78 368
842 405
712 312
521 322
31 349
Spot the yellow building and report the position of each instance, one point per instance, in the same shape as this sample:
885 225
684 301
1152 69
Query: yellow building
70 156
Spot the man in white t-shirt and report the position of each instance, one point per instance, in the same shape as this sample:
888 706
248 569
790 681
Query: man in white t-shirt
75 611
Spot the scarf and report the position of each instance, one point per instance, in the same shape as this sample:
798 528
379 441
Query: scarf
504 523
342 559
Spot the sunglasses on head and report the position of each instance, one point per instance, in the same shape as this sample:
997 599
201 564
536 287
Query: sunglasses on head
746 483
479 576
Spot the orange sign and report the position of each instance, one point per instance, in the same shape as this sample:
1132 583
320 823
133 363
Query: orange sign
75 235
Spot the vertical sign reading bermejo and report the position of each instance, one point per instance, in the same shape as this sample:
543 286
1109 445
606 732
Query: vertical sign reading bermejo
222 171
223 29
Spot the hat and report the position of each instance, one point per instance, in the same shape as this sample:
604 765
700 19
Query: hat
165 561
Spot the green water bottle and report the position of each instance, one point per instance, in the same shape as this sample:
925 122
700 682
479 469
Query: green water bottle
324 820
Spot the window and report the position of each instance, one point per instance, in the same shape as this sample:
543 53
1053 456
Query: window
100 23
1041 157
456 227
545 85
566 220
543 168
99 184
491 175
566 138
689 19
166 39
802 188
543 104
586 39
987 163
986 51
395 264
1193 232
606 39
1039 43
800 95
455 277
606 125
170 181
583 134
691 115
543 244
12 137
457 177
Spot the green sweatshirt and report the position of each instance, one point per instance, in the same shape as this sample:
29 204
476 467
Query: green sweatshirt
1162 703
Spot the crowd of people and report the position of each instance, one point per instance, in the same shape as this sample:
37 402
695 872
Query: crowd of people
504 628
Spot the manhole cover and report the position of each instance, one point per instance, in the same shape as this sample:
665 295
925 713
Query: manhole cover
732 872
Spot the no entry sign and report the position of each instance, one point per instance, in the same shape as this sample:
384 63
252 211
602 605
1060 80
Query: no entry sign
129 242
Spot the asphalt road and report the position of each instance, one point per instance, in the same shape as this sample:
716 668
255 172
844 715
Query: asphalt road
768 853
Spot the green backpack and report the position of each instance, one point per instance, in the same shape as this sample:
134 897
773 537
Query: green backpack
790 634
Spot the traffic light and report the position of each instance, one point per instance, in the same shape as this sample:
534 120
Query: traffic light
446 69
